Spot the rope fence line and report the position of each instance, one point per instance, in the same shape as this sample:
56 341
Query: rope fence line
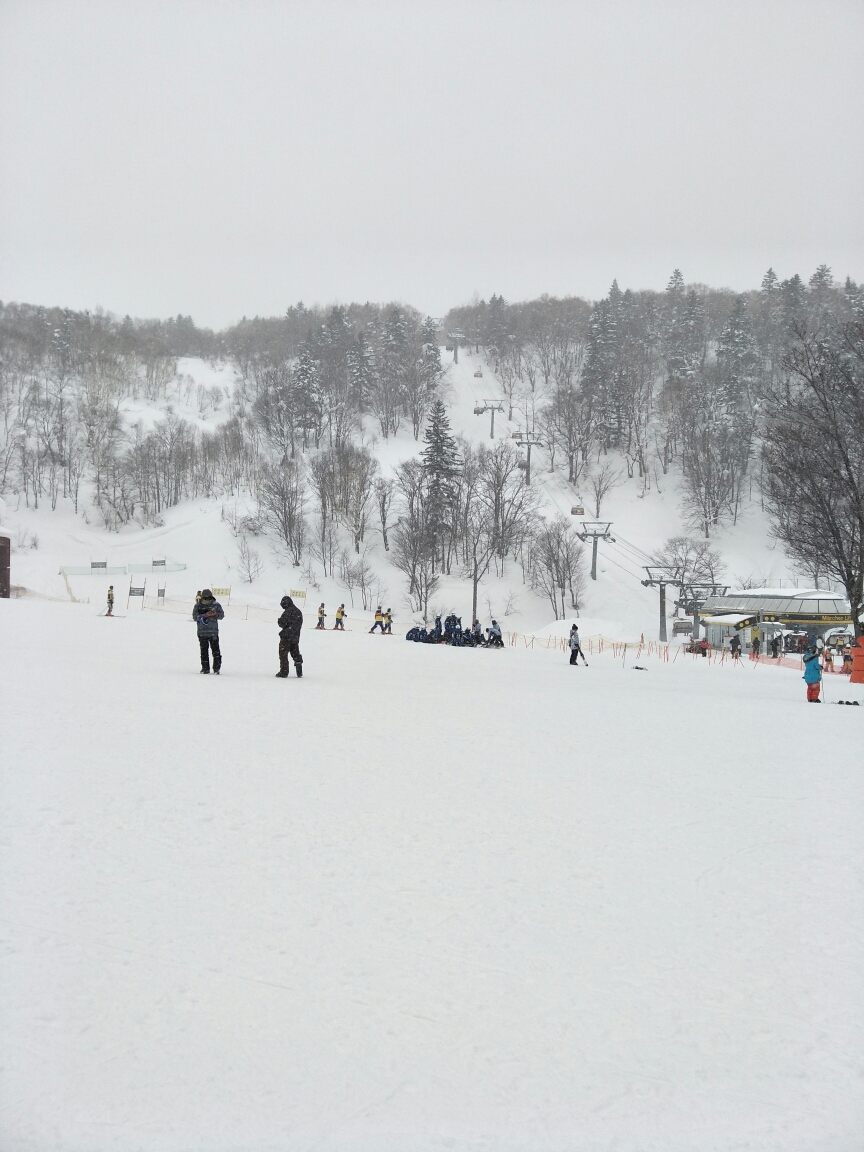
595 645
598 644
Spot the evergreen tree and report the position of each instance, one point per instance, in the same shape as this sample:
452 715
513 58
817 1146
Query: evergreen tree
441 466
854 296
737 360
793 294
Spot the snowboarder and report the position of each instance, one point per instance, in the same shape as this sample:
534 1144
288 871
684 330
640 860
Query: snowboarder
388 622
576 647
207 613
290 623
321 616
110 611
812 674
379 620
340 618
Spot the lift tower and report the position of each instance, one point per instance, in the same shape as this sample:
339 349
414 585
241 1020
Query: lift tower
595 530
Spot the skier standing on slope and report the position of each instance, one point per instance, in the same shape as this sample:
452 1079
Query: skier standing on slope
321 615
575 646
388 622
110 611
379 620
494 639
340 618
812 674
290 623
207 613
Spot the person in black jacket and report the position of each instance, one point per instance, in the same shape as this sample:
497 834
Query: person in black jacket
290 623
207 613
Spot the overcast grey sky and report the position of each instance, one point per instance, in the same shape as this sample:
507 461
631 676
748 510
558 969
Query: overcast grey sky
230 158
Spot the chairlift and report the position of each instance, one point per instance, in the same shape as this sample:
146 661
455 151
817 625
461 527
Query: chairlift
523 464
577 510
448 347
479 373
516 436
479 411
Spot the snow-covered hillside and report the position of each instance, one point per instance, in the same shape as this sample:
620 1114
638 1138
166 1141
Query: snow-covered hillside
423 898
195 532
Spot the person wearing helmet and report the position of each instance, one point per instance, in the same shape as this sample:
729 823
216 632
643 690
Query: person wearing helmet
290 623
495 639
379 620
388 622
340 619
207 613
321 616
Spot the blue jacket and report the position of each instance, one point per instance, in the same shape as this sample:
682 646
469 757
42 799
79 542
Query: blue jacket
812 670
207 625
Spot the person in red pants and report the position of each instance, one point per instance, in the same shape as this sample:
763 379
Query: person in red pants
812 674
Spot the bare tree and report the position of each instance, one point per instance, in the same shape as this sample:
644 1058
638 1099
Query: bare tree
814 459
324 544
348 575
383 500
282 501
601 482
558 566
250 566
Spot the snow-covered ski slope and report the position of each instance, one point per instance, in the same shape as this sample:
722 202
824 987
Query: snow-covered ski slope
424 898
195 534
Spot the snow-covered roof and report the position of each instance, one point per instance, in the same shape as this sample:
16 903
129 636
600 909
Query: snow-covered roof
728 619
784 593
779 603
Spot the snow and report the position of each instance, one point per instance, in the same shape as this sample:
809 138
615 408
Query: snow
424 898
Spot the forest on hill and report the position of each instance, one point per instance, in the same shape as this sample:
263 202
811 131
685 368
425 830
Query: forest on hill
743 393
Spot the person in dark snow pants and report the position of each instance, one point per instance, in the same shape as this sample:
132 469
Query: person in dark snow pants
110 611
290 623
575 647
207 613
812 675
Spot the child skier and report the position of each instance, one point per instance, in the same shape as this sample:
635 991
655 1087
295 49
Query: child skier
379 620
207 613
340 618
110 611
812 674
321 616
388 622
290 623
